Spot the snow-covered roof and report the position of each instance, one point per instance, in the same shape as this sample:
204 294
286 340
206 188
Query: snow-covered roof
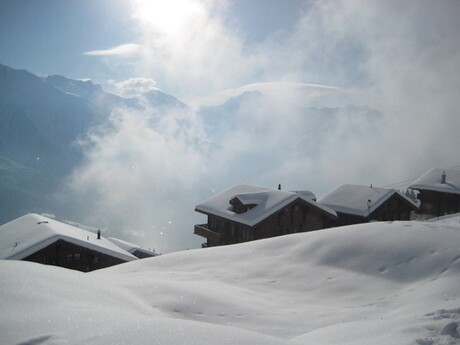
267 202
130 247
32 232
432 180
307 194
353 199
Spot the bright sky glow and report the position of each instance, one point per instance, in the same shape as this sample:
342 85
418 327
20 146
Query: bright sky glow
167 16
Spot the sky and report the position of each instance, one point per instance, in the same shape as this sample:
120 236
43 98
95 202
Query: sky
112 39
355 92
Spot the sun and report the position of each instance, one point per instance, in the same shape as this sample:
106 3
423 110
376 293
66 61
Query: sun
167 16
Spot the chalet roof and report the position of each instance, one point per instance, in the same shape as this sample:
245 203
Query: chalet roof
130 247
353 199
32 232
306 194
267 201
432 180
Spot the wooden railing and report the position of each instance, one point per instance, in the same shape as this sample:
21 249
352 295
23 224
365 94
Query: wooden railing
204 231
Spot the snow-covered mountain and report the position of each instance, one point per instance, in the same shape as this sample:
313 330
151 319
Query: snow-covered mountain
314 116
41 120
268 127
373 284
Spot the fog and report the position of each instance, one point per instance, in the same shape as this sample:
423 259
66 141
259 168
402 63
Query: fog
354 92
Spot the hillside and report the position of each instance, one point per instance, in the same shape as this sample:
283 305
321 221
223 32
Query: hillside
378 283
43 122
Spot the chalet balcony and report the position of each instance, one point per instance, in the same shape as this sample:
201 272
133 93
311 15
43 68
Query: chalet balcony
203 231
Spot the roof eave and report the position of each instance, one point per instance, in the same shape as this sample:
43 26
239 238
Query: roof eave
433 189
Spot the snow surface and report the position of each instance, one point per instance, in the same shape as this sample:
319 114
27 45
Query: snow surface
450 219
352 199
267 200
130 247
378 283
432 180
32 232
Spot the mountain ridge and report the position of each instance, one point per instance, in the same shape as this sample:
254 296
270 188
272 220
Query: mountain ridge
41 121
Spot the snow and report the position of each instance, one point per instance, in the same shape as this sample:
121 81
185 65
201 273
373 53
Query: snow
130 247
267 200
352 199
32 232
378 283
432 180
450 219
307 194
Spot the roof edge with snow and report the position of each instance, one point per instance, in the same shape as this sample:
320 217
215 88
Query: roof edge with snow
267 201
28 234
353 199
433 181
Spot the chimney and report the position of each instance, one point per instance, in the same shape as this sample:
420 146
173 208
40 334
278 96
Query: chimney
98 234
443 177
279 186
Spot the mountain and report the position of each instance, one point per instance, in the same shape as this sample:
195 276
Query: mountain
162 101
222 118
291 121
102 101
41 121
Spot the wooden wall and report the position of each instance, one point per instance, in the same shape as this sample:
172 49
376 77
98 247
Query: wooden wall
296 217
395 208
439 204
69 255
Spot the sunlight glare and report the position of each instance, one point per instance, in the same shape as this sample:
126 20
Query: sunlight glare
167 16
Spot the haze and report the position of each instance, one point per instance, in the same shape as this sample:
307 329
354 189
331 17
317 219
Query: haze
387 71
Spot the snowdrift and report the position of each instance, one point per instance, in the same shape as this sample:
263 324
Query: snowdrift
379 283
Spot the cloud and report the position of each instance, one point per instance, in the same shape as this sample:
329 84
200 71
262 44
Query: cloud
354 92
193 54
401 67
128 49
138 175
311 91
133 86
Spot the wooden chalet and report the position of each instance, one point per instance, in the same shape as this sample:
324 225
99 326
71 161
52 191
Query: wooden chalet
438 192
245 213
356 204
47 241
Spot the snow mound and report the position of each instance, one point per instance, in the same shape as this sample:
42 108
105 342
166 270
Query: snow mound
378 283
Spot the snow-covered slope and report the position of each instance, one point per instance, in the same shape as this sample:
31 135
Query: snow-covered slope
379 283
